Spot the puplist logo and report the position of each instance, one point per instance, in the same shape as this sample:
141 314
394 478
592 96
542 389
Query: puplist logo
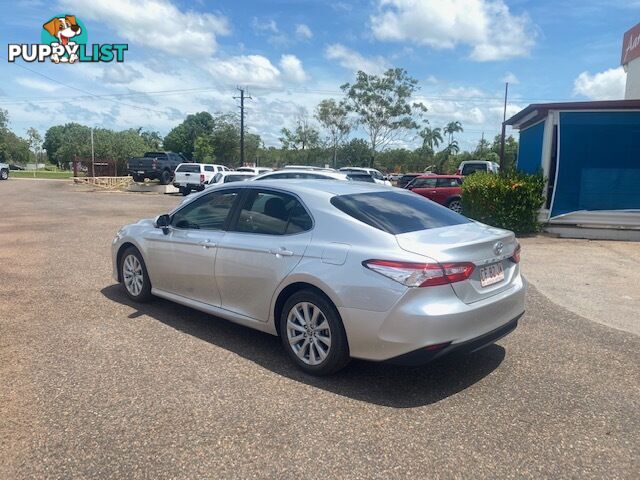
64 40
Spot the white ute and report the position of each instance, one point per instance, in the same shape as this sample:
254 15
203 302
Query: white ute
195 176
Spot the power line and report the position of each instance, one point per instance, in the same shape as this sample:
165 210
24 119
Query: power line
84 91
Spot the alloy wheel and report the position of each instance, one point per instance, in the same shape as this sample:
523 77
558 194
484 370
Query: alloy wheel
456 206
308 333
132 275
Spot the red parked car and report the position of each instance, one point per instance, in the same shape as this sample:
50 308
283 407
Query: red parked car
443 189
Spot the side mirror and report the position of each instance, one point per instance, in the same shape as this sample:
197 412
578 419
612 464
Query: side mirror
163 222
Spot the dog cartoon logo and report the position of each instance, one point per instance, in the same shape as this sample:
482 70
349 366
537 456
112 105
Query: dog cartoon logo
63 29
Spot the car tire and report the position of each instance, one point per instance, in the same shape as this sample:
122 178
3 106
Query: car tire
318 348
138 178
184 191
455 205
134 275
165 177
4 174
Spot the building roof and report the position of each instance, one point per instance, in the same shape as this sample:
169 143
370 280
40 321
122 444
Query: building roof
537 111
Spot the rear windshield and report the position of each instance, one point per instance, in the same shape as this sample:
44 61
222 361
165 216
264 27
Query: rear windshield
236 178
470 168
193 168
397 213
360 177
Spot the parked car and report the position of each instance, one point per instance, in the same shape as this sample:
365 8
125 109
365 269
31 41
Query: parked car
394 177
254 170
4 171
307 167
13 166
443 189
231 176
336 269
291 173
195 176
155 165
407 178
376 174
472 166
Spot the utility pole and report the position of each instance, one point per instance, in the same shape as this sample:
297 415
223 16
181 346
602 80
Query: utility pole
482 146
242 97
504 127
93 158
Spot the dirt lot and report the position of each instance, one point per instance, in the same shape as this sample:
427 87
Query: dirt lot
93 386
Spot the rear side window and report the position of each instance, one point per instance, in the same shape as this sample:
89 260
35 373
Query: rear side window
395 212
189 168
209 168
272 213
448 182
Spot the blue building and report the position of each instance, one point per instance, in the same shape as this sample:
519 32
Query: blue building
590 154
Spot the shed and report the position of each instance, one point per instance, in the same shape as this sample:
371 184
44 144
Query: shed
590 154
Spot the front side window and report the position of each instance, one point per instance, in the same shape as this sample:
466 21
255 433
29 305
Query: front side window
272 213
209 212
236 178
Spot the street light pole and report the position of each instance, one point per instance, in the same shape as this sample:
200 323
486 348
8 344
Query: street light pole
93 160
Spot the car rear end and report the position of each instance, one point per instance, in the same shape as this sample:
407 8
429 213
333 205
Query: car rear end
190 176
457 282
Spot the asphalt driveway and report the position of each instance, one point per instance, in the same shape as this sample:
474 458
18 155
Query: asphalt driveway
94 386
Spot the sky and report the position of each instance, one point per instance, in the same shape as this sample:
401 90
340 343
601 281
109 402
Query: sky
188 56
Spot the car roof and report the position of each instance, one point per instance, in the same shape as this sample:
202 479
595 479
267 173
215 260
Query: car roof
439 176
328 173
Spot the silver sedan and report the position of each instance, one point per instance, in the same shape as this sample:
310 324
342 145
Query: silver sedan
338 270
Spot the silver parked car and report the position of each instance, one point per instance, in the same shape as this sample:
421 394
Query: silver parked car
336 269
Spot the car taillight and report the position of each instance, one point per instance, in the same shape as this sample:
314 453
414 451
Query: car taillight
421 274
202 178
154 163
516 254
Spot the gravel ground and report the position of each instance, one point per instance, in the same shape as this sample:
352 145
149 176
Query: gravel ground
93 386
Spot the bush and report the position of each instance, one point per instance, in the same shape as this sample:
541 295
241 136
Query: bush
509 200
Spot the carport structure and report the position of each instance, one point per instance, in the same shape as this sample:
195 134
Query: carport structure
589 152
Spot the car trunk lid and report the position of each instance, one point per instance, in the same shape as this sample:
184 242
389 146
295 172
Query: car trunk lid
482 245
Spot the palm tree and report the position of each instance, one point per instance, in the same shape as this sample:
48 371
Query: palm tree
431 138
451 129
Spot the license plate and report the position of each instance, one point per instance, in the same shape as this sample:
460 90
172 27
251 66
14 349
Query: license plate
140 171
491 274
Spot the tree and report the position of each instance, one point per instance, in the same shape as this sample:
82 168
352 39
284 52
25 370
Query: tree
35 142
333 117
510 151
203 149
431 138
355 153
152 139
13 149
451 129
182 139
382 106
302 139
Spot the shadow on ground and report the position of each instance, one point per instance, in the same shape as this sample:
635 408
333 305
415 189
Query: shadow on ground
378 383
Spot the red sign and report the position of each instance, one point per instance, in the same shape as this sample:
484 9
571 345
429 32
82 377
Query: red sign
631 45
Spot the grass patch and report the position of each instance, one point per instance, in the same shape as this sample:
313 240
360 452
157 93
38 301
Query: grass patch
39 174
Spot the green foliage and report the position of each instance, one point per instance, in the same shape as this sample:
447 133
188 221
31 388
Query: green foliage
510 200
13 149
382 105
182 139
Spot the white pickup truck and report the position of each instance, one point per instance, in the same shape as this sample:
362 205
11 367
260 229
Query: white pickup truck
195 176
4 171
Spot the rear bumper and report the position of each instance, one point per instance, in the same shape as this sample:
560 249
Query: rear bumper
428 354
422 318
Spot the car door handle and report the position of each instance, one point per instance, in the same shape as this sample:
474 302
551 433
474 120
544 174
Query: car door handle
282 251
207 244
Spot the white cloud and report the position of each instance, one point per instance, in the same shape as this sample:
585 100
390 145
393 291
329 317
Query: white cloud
250 70
155 24
607 85
35 84
303 32
510 78
493 32
261 26
292 68
354 61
